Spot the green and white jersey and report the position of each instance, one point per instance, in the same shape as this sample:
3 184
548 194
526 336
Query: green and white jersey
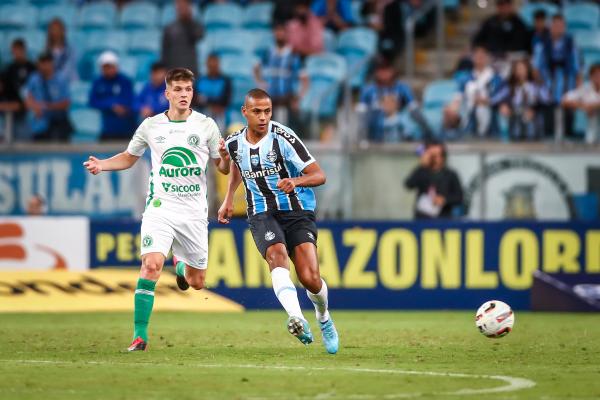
181 151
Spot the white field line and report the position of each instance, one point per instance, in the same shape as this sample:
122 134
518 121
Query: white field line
511 383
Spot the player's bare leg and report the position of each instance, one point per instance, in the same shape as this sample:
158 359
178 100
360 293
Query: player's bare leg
189 276
307 267
285 291
152 264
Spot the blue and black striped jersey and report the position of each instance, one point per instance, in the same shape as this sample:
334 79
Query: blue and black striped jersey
278 155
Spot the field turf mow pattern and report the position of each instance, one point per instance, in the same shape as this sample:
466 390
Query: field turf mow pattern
222 356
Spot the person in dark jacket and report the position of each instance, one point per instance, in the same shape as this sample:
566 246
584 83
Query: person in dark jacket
438 187
504 31
112 94
180 37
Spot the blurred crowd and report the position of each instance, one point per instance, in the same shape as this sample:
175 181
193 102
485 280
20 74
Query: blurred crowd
516 82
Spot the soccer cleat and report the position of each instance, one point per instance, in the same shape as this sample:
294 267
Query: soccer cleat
331 339
180 278
138 345
300 328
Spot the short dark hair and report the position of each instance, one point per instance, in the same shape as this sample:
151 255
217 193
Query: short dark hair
158 65
179 74
18 42
540 14
558 17
436 142
45 57
257 94
594 67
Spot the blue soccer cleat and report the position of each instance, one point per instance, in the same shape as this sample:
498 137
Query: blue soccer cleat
299 328
331 339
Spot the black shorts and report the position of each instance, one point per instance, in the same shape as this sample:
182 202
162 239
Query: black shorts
288 227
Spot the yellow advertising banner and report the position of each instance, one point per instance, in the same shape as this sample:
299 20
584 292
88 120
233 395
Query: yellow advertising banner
98 290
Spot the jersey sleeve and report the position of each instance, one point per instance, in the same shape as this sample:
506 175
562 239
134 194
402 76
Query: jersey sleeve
296 152
139 141
213 140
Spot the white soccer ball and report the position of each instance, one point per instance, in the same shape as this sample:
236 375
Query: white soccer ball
494 319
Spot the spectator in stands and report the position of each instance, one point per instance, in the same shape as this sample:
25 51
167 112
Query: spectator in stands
439 191
391 35
305 30
12 81
335 14
557 62
587 98
521 99
279 75
62 54
503 32
180 37
475 108
372 12
283 11
213 91
48 101
382 102
151 100
540 28
112 94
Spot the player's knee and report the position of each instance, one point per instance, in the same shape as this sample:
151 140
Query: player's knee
277 256
311 280
151 267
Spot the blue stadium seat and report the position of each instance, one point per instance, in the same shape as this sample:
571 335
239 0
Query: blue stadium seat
234 42
42 3
357 17
357 46
258 15
588 42
439 93
66 12
239 87
128 65
583 16
87 123
168 14
326 71
586 206
18 16
263 42
139 15
590 59
95 42
35 40
222 16
97 15
147 41
238 66
329 40
79 91
434 118
526 11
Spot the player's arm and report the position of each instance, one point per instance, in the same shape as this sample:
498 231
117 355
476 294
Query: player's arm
226 210
224 162
311 176
117 162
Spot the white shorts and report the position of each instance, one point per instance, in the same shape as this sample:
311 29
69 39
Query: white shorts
186 237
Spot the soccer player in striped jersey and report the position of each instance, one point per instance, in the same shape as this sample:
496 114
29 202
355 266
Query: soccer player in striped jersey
278 172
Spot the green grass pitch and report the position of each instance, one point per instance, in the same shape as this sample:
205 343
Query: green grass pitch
383 355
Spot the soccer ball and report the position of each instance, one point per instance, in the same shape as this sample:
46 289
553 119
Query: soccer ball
494 319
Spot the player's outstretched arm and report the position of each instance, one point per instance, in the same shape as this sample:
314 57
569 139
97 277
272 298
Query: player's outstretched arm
311 176
118 162
224 162
226 210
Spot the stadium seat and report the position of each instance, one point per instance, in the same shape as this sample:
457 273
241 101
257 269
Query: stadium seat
238 66
95 42
66 12
325 71
147 41
434 117
583 16
97 15
42 3
590 59
357 46
439 93
87 123
139 15
258 15
222 16
585 206
234 42
79 91
329 40
168 14
239 87
528 10
18 16
35 40
588 42
357 17
263 42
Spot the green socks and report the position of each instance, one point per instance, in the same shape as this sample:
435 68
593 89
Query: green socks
144 300
180 268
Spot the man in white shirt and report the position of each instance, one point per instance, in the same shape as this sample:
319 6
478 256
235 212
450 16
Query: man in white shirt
182 142
587 98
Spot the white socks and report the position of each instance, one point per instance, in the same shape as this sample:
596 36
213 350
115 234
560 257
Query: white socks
320 302
286 291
